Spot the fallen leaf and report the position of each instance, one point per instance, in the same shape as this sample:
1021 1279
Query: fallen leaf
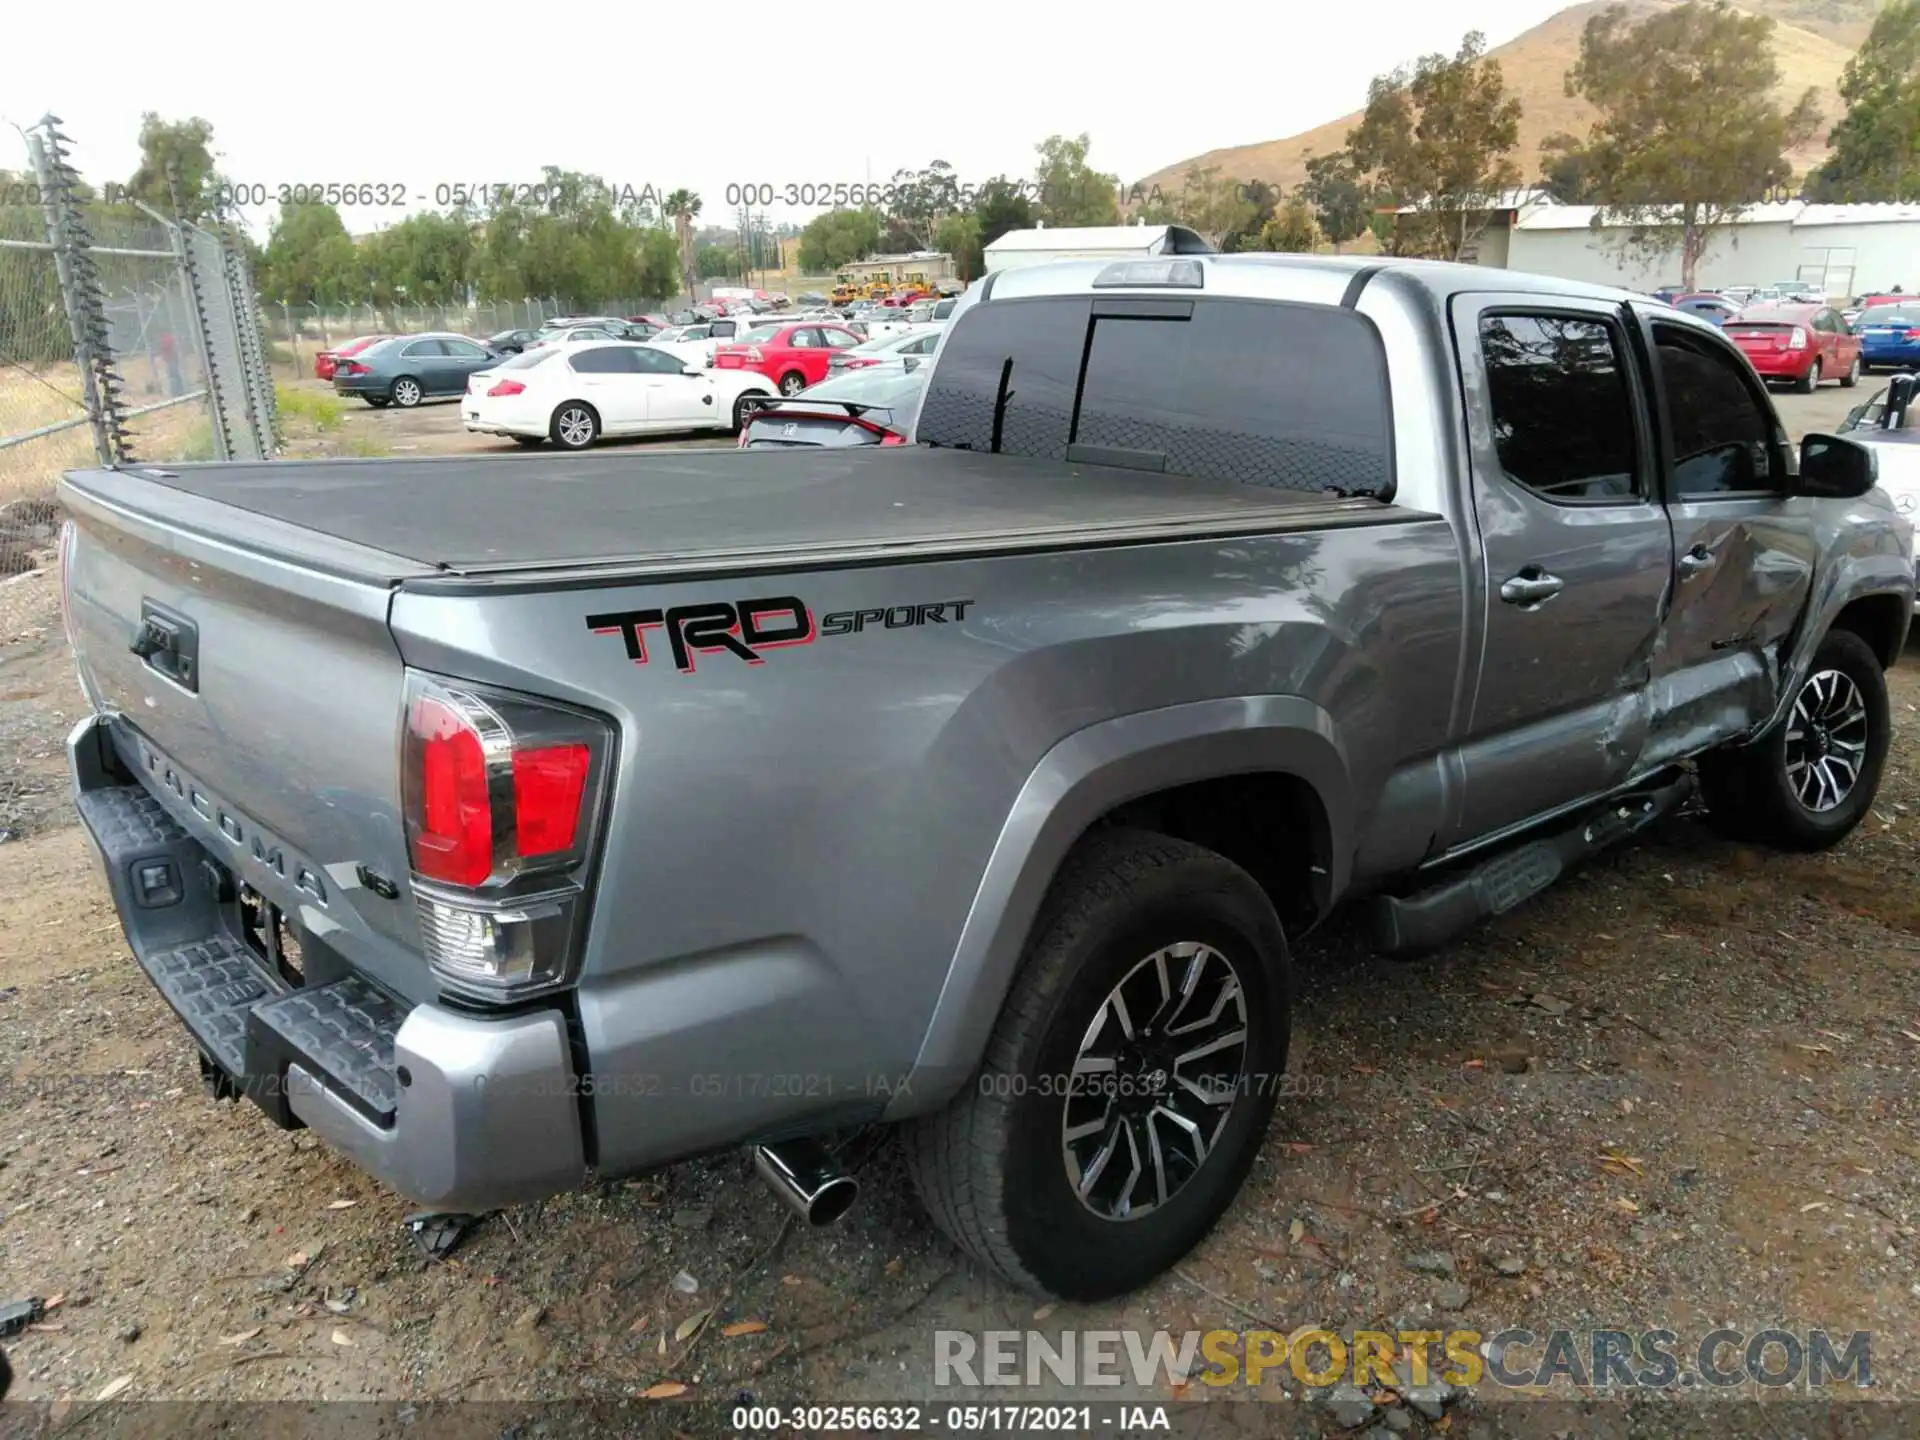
791 1280
49 1329
338 1307
1911 1036
1832 1035
342 1204
1475 1064
639 1324
1627 1205
340 1337
243 1336
1624 1164
1299 1147
297 1261
896 1265
665 1390
1043 1312
1626 1105
1365 1070
743 1327
54 1302
1814 1049
663 1342
692 1323
115 1387
1814 1205
1296 1230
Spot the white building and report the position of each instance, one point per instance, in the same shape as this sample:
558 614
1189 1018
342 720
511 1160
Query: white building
1846 249
1092 242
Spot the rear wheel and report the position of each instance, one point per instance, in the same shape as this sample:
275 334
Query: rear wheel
1810 381
1812 779
575 426
1852 377
406 392
792 383
1129 1079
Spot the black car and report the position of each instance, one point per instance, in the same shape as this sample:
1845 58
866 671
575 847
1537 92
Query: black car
874 407
511 342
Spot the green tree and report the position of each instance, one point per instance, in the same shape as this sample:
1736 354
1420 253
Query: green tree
712 262
310 258
1260 203
1876 145
1292 228
1339 201
921 200
999 207
958 235
1689 133
1566 170
1071 191
426 259
177 174
682 206
577 242
1439 139
832 239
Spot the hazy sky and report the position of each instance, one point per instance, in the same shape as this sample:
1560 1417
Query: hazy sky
416 97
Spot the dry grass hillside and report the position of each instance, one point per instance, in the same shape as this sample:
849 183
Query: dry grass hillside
1813 41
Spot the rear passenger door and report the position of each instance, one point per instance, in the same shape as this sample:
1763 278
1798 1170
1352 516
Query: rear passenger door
1576 554
1744 552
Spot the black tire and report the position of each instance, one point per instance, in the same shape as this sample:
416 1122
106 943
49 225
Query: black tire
575 425
1754 793
529 440
378 402
406 392
1809 382
991 1167
742 408
792 383
1852 377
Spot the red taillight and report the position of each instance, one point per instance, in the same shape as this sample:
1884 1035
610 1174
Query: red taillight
1913 335
547 786
892 439
453 830
351 367
508 387
859 363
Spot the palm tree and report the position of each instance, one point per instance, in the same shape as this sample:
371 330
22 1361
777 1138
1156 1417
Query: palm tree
683 205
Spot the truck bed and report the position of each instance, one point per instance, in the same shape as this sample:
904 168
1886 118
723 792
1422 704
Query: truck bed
678 511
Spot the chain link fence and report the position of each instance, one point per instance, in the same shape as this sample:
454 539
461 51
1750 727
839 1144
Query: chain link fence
124 337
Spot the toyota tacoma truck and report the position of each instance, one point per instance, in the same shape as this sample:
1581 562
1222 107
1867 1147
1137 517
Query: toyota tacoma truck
519 822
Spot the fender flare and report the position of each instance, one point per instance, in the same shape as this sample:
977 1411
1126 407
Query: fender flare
1081 778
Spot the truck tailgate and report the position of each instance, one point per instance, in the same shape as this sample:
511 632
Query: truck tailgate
265 718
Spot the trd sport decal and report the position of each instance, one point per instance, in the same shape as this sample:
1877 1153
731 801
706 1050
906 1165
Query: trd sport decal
747 627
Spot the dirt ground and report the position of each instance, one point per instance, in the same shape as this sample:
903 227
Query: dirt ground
1677 1091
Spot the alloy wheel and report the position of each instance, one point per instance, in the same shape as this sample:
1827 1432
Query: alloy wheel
1154 1081
406 393
1827 735
575 426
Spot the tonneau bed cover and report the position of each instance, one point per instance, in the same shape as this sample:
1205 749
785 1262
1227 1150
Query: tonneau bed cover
676 511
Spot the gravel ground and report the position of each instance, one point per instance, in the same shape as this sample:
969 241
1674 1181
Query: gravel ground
1677 1091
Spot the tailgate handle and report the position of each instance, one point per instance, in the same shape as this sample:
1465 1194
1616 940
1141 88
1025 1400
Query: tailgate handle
169 644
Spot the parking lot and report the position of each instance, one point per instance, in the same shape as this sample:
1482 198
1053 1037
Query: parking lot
1677 1090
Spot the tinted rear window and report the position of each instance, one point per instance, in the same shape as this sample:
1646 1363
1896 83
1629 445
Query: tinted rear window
1893 317
1291 396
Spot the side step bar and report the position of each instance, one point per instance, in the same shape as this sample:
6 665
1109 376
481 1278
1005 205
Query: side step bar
1428 919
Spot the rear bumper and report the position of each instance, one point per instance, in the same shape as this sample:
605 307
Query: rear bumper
452 1109
1786 365
1903 356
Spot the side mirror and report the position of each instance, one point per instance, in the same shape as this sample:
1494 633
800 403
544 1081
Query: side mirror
693 370
1835 468
1899 396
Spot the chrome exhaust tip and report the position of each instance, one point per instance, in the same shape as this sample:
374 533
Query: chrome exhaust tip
807 1179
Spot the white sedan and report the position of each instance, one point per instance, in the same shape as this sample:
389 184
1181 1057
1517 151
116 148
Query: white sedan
574 394
694 344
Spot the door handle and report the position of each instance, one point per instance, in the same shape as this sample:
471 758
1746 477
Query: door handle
1695 560
1532 586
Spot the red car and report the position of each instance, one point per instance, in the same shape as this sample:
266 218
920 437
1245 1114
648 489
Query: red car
792 356
327 361
1802 343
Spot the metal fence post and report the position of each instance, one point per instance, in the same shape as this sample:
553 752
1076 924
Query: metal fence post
80 292
217 378
261 406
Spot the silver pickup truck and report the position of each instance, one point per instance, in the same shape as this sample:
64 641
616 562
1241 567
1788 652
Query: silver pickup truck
516 821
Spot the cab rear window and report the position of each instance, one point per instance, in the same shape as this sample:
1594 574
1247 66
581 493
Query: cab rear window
1265 393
